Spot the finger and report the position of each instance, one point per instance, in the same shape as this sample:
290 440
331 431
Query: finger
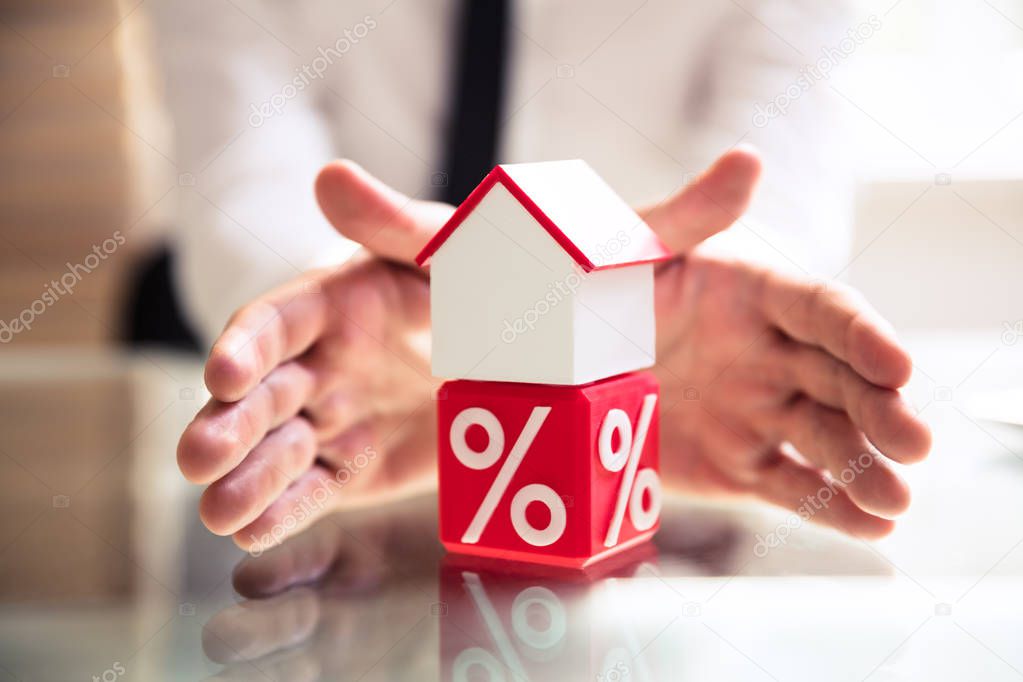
386 457
737 447
881 413
790 484
355 455
238 498
839 320
366 436
311 496
263 334
829 440
253 629
382 219
336 412
223 433
710 204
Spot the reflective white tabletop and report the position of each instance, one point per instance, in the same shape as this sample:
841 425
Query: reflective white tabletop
372 596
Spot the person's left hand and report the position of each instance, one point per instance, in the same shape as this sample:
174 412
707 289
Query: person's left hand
782 388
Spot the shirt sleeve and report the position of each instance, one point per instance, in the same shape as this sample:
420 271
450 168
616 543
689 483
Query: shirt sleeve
249 140
764 78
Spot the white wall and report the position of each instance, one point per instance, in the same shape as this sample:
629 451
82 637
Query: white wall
933 255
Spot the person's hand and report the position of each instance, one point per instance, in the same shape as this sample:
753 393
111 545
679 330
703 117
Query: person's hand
322 394
779 386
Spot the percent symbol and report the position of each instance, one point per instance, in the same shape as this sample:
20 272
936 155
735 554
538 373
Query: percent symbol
484 459
634 483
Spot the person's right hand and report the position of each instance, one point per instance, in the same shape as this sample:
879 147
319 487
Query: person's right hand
323 381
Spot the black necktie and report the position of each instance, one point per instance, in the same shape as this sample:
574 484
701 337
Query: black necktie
478 77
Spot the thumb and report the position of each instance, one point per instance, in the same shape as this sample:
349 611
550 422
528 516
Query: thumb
367 211
710 204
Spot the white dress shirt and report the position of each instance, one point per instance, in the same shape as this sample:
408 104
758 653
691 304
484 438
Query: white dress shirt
262 94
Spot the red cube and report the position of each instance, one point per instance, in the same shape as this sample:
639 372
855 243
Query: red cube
563 475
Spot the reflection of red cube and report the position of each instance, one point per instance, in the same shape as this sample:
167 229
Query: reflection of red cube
545 624
507 627
563 475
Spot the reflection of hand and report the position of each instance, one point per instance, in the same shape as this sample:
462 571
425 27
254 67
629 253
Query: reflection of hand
325 602
349 552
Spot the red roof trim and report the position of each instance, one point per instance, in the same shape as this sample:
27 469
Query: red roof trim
460 214
474 198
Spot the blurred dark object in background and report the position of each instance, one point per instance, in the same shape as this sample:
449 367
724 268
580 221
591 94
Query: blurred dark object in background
153 314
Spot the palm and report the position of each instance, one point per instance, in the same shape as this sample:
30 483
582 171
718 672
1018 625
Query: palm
769 381
373 370
706 321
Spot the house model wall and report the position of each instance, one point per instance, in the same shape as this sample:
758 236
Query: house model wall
543 275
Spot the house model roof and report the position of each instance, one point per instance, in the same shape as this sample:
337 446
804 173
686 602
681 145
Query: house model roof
576 207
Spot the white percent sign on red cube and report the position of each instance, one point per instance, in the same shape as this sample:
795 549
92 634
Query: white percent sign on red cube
533 492
556 474
635 482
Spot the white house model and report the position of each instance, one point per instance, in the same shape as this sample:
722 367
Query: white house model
543 275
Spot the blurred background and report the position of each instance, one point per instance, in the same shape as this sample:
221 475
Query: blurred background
93 514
